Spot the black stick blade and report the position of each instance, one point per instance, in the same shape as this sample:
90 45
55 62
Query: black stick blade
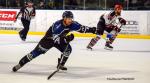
52 74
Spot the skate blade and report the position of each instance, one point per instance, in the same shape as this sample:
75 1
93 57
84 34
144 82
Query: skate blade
89 49
62 71
106 48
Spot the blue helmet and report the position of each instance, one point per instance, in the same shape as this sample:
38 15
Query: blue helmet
67 14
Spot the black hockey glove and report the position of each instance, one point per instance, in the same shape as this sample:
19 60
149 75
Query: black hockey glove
122 21
69 38
92 30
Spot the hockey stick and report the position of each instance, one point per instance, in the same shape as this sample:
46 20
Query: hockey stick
52 74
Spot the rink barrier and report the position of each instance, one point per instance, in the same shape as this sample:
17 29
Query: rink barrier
130 36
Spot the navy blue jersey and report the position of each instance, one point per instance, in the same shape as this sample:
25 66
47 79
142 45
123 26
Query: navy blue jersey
58 28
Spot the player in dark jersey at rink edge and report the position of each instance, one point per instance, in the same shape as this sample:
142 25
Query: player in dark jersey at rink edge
57 37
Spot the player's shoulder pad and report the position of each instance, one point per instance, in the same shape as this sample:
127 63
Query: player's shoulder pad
58 22
76 23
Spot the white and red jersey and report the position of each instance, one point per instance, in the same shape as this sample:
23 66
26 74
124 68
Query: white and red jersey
111 18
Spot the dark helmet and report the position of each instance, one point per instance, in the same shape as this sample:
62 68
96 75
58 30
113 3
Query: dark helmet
67 14
29 1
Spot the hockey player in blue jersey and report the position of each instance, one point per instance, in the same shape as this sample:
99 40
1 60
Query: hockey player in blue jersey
57 37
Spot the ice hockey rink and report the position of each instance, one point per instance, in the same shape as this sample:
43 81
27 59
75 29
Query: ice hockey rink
129 62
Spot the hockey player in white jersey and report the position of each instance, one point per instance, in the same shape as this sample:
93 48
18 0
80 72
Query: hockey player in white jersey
108 23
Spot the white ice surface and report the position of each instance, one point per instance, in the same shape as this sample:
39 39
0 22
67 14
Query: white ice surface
129 59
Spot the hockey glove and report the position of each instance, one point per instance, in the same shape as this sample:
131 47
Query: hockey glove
69 38
122 21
